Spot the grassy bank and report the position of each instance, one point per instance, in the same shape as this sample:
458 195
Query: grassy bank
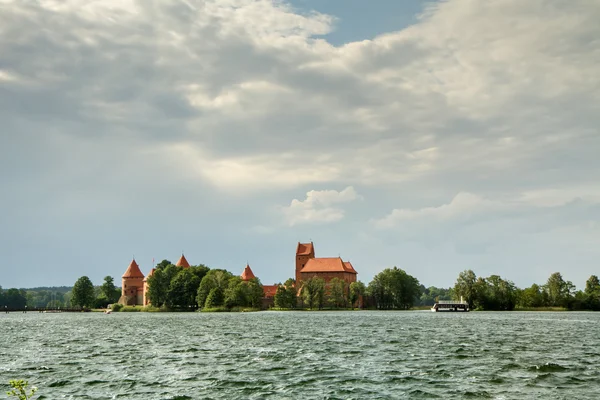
540 309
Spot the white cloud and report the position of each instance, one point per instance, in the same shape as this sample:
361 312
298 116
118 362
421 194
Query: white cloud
462 205
470 221
317 207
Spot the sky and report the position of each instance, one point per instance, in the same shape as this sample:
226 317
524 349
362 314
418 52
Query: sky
431 136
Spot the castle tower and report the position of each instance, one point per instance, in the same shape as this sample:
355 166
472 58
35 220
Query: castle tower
304 252
182 262
247 274
132 290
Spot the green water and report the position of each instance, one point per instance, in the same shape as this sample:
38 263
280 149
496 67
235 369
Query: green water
304 355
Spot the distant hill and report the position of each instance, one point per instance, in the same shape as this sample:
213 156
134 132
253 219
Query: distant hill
59 289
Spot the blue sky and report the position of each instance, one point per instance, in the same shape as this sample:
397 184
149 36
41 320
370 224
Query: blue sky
435 137
357 20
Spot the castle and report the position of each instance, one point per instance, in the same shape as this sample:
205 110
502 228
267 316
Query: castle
135 285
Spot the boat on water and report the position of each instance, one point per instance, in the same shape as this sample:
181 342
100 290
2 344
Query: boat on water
451 306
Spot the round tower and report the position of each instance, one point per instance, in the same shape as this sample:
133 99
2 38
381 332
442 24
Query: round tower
132 289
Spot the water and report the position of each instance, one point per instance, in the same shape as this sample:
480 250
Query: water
304 355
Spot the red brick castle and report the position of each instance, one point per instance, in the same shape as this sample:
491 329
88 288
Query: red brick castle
135 287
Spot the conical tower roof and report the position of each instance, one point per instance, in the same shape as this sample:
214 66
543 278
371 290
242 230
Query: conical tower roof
133 271
247 274
149 274
182 262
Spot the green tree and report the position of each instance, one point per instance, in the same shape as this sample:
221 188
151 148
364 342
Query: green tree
215 298
236 294
465 287
160 282
109 291
183 289
357 289
313 292
337 293
592 293
559 291
15 298
83 293
255 293
494 293
394 288
285 297
215 278
531 297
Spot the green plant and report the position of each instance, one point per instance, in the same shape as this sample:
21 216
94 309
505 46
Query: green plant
117 307
20 389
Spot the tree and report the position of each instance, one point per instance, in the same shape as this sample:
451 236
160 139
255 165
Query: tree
280 298
160 282
357 289
236 294
431 295
531 297
183 289
494 293
285 297
592 293
559 291
215 278
394 288
109 291
83 293
215 298
313 292
15 298
465 286
337 293
255 293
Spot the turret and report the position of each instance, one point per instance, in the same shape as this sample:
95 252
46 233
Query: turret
304 252
182 262
132 290
247 274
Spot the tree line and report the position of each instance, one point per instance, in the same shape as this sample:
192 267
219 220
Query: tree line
173 287
198 286
495 293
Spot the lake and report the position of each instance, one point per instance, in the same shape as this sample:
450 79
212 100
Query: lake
304 355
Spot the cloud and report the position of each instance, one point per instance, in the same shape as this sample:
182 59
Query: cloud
463 206
471 222
190 109
318 207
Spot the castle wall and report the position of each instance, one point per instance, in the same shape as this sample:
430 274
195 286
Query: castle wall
328 276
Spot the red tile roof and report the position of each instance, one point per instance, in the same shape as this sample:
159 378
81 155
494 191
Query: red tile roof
349 267
334 264
305 249
133 271
247 274
182 262
270 290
